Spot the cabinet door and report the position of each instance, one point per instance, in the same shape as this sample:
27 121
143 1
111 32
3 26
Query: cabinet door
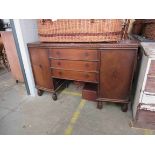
41 68
116 73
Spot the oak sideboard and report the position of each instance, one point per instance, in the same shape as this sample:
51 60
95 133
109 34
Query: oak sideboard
110 66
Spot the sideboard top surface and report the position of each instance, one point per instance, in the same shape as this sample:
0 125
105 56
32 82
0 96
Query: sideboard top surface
122 44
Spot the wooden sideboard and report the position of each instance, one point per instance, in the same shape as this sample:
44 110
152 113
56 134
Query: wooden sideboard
110 66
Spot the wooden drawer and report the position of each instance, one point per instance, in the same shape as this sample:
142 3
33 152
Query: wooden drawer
152 68
75 75
89 92
150 84
74 54
75 65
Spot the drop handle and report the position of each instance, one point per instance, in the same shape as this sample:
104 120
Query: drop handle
40 66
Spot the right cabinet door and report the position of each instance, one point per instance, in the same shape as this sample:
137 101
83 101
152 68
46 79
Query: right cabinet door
116 73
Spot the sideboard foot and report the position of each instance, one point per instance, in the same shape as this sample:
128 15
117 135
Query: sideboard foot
99 105
54 96
124 107
40 92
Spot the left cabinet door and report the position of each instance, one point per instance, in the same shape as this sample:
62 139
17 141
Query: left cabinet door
41 68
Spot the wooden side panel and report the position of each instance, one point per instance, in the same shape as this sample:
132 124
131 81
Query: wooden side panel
41 68
9 44
116 73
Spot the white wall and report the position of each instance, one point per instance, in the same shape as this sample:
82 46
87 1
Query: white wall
26 30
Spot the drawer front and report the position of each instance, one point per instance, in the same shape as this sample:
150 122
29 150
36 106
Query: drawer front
75 75
74 54
75 65
150 84
152 68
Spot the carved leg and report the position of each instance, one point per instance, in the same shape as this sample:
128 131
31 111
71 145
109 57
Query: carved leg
124 107
99 105
54 96
40 92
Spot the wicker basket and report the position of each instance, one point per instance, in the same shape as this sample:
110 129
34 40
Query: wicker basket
138 26
149 29
82 30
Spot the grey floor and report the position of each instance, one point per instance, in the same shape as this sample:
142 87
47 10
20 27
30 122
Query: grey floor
22 114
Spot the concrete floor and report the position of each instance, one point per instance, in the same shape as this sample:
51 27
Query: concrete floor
22 114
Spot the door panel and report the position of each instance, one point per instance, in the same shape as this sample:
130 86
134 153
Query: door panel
41 68
116 73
